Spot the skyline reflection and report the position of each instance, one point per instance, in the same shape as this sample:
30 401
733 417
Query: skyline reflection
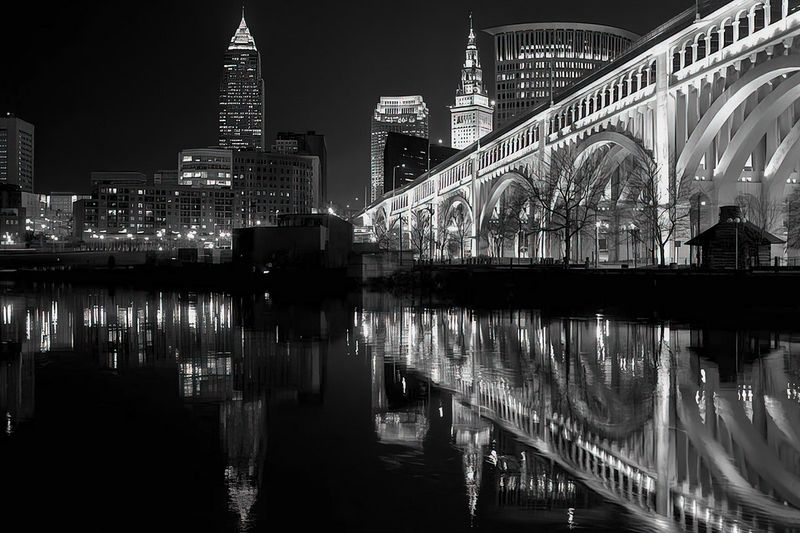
518 417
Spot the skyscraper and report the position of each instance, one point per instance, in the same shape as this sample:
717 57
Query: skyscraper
472 116
241 94
402 114
16 152
534 62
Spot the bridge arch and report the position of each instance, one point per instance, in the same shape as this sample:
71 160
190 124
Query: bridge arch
623 146
496 192
753 128
452 203
724 106
380 223
784 160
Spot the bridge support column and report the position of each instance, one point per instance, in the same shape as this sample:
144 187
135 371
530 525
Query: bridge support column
664 138
475 235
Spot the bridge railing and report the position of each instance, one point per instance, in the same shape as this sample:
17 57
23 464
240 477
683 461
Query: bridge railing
734 30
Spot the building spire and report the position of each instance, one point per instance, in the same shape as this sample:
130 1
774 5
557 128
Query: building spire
242 39
471 39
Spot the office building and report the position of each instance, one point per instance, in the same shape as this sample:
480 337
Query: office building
308 143
406 157
134 209
16 152
472 115
205 167
241 94
401 114
266 184
535 62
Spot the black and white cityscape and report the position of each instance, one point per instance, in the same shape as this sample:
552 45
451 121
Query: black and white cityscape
430 266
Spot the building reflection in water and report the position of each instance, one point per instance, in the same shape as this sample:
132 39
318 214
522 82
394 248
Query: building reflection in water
696 428
237 355
693 428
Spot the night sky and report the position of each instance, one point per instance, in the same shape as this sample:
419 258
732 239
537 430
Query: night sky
125 85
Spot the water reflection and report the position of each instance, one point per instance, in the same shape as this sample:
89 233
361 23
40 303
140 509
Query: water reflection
687 428
579 422
238 366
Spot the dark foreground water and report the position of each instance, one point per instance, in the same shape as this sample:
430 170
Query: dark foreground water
137 411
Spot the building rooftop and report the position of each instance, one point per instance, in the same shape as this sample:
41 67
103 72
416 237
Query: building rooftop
528 26
242 40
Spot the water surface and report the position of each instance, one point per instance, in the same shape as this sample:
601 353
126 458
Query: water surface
129 410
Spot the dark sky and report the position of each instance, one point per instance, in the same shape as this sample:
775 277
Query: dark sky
125 85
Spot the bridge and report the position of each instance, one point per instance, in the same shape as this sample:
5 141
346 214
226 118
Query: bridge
711 102
628 409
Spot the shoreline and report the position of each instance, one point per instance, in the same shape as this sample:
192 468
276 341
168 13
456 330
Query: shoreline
649 292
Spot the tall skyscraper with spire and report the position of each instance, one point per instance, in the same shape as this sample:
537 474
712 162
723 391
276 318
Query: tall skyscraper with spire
473 115
241 94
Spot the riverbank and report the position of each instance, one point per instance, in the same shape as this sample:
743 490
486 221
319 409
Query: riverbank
196 276
661 290
674 292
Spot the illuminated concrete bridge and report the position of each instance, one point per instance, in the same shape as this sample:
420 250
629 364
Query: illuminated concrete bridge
711 99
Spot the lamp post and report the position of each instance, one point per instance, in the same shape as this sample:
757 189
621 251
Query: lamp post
697 229
394 175
597 226
627 244
629 236
401 239
736 221
394 193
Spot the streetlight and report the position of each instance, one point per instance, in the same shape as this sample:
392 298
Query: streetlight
629 235
394 192
736 220
697 230
597 226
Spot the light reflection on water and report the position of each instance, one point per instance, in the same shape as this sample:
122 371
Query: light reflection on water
581 422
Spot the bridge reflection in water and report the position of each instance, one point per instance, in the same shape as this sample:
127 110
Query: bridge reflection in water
691 429
685 428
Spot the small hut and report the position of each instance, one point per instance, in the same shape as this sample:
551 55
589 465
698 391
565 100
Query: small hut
734 236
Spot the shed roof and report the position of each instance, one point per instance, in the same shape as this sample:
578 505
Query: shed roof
748 231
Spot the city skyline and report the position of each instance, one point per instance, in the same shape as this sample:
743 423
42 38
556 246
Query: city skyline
139 123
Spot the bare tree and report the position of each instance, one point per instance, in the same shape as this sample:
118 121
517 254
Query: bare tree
762 211
421 232
441 239
791 219
387 235
458 228
500 228
564 191
657 210
519 206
